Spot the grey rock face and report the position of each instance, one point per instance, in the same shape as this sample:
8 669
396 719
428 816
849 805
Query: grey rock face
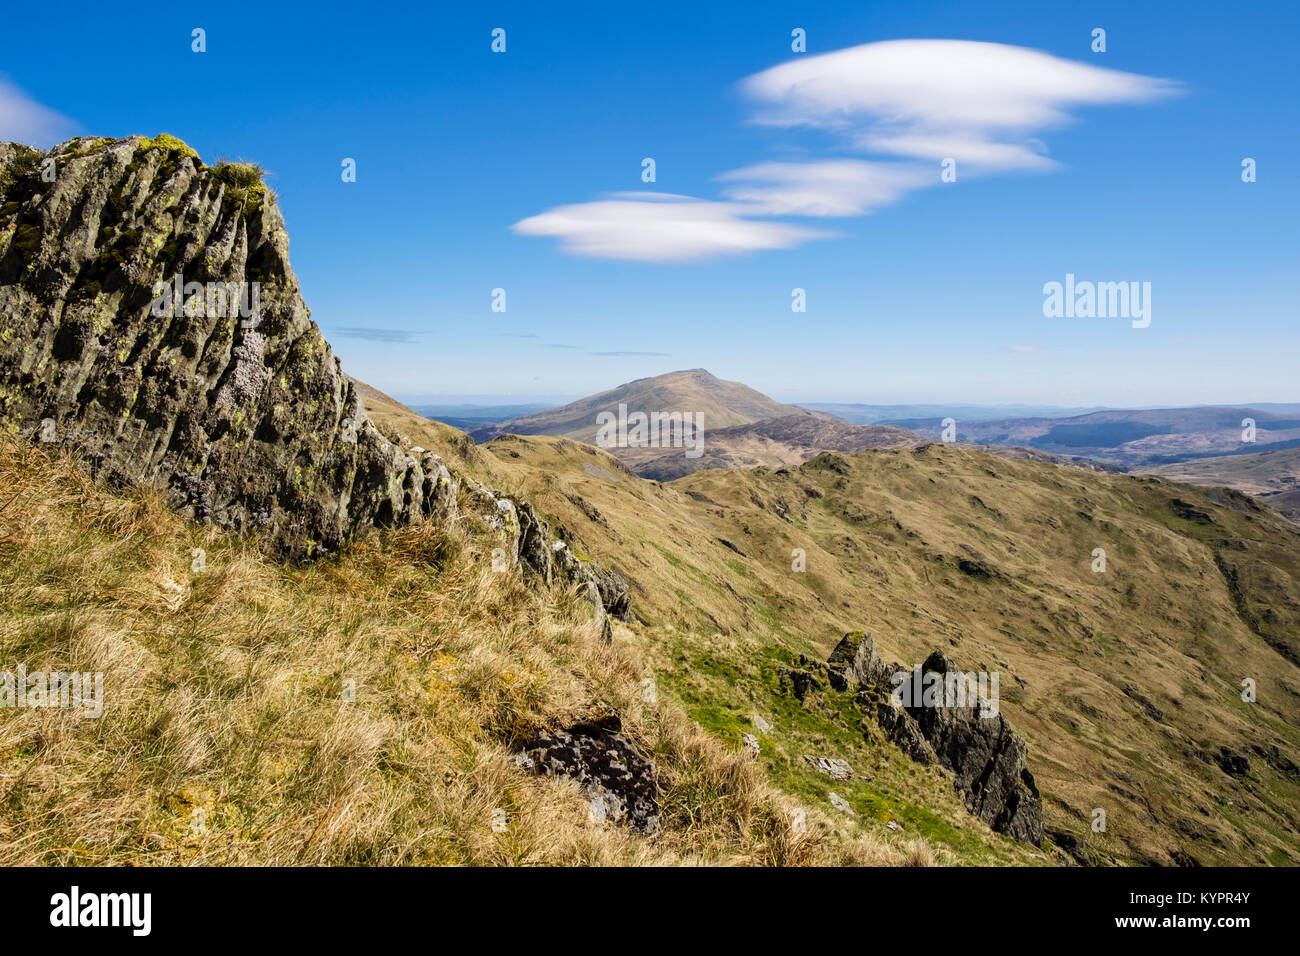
246 421
986 757
988 763
854 660
616 779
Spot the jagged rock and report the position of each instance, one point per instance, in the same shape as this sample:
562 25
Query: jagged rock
854 661
840 804
797 682
614 591
986 757
751 744
534 555
547 559
900 728
833 767
762 725
245 421
616 779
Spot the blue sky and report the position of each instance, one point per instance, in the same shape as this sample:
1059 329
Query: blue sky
932 293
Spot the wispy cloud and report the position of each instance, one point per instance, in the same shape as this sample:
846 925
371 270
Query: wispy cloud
660 227
916 102
626 354
23 120
845 187
377 335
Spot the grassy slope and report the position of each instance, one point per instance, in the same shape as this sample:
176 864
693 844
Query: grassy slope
1264 474
225 738
1196 596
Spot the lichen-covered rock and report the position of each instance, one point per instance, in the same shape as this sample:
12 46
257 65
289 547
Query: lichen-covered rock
226 395
986 757
616 779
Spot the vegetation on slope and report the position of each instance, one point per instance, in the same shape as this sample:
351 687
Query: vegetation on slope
226 737
1127 683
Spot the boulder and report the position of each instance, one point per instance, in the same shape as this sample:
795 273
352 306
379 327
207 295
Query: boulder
617 781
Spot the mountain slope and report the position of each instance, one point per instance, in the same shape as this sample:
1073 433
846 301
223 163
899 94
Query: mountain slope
736 426
358 710
1126 683
1271 476
721 404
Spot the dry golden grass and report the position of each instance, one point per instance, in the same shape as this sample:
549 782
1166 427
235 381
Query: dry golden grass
1187 608
225 737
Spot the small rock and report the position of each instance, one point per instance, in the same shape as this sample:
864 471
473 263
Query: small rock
839 803
763 726
833 767
617 780
895 826
797 682
751 744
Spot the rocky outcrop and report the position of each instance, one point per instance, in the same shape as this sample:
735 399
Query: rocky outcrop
617 781
545 555
241 415
986 757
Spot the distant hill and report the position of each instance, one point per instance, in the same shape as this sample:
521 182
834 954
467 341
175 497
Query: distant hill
741 427
861 414
1133 439
722 404
1271 476
786 441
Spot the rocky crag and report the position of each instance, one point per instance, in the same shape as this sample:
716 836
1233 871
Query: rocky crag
229 399
245 420
985 756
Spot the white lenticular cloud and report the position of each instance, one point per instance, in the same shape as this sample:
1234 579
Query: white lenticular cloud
916 103
933 99
844 187
23 120
658 227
